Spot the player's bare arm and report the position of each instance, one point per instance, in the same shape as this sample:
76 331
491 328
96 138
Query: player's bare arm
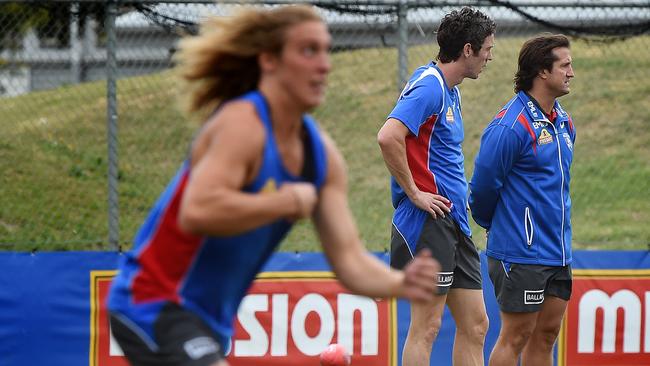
225 157
392 141
357 269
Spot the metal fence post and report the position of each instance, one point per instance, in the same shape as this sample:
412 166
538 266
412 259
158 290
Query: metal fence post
111 119
76 50
402 44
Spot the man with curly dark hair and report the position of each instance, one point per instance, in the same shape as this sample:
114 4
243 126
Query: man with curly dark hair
421 145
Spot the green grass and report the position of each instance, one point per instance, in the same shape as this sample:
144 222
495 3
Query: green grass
53 148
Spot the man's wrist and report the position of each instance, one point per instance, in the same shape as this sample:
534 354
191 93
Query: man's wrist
397 288
412 193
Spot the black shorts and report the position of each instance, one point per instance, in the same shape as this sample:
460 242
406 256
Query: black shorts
455 251
521 288
181 339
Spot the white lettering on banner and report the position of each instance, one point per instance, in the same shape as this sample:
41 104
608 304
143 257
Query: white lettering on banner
279 327
258 344
347 305
369 323
627 300
317 303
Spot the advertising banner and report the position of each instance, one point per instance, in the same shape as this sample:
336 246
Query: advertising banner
288 317
52 313
607 322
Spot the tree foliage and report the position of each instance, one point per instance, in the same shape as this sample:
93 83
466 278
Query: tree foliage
51 21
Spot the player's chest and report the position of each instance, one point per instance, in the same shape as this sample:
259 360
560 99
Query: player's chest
449 128
552 144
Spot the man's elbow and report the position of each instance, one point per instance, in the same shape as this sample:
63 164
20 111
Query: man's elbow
475 211
195 219
198 215
385 139
190 221
479 215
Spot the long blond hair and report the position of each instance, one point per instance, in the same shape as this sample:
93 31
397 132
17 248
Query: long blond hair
220 63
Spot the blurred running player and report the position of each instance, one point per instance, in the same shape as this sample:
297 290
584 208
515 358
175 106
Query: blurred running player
257 165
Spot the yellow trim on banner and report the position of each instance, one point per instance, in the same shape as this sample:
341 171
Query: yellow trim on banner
307 275
94 312
561 344
611 272
392 330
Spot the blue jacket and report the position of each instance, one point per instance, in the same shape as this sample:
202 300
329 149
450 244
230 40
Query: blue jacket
520 187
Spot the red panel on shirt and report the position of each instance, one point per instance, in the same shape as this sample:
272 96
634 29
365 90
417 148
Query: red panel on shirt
417 155
167 257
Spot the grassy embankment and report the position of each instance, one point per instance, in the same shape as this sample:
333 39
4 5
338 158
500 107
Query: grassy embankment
53 148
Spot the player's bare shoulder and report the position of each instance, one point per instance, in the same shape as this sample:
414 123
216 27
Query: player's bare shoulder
235 124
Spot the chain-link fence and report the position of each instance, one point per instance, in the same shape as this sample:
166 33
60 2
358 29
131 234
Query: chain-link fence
90 132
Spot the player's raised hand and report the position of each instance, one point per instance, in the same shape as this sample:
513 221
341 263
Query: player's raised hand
421 277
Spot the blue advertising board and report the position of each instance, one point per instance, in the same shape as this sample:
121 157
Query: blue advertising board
47 311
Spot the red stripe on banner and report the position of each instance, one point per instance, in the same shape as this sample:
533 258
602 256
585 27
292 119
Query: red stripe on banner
524 122
167 257
417 155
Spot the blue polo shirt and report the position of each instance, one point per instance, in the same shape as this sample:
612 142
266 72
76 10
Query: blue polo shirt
432 113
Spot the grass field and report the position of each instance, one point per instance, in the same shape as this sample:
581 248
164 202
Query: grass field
53 148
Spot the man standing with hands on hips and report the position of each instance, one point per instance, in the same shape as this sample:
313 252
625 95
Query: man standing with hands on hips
520 195
421 145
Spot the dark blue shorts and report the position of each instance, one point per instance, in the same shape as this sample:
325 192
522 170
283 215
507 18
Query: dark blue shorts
181 339
522 288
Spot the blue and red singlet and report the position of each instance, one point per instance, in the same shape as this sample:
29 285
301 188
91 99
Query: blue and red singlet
206 275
